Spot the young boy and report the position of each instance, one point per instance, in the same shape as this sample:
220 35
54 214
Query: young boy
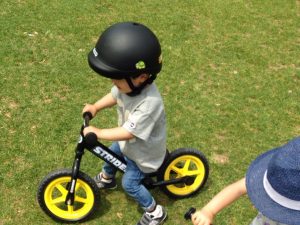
130 55
273 186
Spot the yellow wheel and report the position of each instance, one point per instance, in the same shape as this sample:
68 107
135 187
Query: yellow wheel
185 162
52 194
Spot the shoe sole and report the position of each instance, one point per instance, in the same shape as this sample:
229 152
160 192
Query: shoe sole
107 188
161 222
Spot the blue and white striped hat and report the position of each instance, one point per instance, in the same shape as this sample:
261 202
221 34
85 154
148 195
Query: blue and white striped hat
273 183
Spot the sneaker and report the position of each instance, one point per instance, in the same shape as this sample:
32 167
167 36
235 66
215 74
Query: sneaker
103 183
154 218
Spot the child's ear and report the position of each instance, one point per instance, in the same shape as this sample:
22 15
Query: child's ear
143 77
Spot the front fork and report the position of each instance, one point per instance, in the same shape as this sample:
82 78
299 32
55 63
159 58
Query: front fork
79 151
75 170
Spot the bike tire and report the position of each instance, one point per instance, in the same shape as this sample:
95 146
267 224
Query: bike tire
184 162
52 193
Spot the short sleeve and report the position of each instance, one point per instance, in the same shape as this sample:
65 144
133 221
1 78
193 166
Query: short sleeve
115 92
140 124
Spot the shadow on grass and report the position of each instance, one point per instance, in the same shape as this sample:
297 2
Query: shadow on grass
104 207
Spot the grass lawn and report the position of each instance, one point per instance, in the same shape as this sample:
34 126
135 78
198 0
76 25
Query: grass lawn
230 82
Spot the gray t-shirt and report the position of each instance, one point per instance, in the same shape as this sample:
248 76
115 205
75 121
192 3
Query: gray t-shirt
143 116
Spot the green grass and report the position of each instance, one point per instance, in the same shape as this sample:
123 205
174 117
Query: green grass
230 83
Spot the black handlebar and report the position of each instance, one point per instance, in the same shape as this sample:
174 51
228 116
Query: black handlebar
90 138
188 214
87 117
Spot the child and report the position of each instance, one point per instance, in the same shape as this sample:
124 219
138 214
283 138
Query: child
130 55
273 186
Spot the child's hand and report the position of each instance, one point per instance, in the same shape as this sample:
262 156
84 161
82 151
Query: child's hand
90 108
202 217
90 129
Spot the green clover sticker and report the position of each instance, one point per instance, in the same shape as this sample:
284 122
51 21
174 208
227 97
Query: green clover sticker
140 65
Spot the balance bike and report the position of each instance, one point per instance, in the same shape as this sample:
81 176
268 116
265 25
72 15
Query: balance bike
70 195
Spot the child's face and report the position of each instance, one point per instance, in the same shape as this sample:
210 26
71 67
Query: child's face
123 86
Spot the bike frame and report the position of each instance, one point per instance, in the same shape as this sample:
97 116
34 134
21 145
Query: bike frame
90 143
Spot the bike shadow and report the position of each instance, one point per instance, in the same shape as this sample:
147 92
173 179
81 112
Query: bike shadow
116 200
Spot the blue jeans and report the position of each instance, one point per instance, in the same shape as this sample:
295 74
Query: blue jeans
131 180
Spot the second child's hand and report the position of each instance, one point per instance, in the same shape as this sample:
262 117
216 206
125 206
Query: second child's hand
198 218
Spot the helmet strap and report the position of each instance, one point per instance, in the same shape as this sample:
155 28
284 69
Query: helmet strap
137 90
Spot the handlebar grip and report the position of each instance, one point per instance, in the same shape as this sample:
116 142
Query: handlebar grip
91 139
188 214
87 117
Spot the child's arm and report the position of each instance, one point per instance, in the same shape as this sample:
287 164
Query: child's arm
224 198
110 134
105 102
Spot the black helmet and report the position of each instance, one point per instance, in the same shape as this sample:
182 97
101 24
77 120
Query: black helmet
126 50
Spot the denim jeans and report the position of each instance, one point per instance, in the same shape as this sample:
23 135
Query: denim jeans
131 180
